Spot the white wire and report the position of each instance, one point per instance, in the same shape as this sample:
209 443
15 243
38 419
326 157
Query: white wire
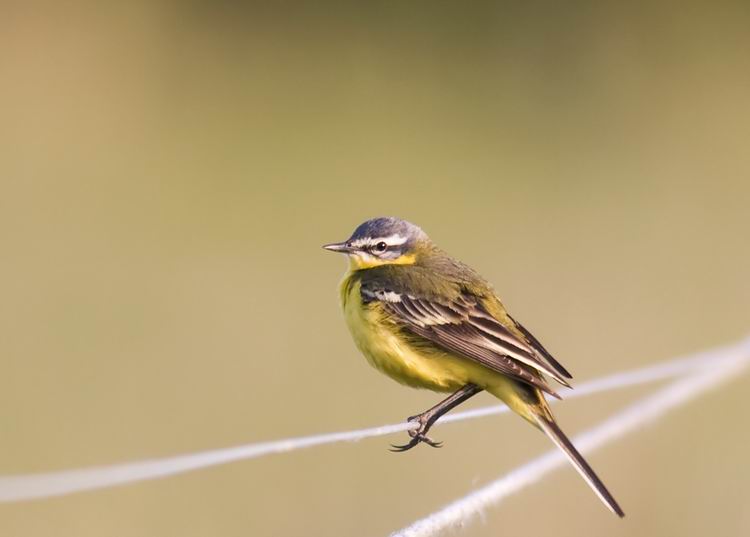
42 485
662 371
647 410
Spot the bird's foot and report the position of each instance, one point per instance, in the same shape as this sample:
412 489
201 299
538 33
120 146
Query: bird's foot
419 434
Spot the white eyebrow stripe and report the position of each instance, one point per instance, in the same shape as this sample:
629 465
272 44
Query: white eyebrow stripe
393 240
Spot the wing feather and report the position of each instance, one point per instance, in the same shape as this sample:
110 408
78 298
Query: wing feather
463 326
541 350
454 340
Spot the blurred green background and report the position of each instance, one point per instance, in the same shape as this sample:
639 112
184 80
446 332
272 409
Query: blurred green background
169 170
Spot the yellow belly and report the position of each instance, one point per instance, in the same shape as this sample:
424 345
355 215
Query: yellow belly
390 352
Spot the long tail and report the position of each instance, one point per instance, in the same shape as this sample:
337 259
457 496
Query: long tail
579 463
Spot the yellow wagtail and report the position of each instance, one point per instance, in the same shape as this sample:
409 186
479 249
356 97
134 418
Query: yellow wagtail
430 321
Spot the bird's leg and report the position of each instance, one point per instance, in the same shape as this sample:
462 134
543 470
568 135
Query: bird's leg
428 418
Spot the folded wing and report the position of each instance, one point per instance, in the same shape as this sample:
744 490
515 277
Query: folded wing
463 326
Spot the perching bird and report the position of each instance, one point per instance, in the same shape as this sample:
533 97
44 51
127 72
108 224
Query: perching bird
430 321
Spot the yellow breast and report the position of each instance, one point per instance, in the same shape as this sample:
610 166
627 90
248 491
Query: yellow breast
388 350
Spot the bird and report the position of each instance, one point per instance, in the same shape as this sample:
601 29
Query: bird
430 321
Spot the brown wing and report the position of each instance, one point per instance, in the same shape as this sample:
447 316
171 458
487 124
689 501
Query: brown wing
539 348
464 327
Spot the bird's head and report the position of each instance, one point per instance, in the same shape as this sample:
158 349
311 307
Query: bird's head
382 241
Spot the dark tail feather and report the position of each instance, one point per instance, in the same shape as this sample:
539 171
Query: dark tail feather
579 463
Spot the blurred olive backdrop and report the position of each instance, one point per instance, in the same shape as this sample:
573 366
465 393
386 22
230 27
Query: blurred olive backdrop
169 170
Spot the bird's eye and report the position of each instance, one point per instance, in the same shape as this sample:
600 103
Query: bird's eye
380 247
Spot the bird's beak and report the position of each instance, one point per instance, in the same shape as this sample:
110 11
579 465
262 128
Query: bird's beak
341 247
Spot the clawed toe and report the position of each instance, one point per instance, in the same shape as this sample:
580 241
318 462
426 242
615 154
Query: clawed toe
399 448
425 420
415 440
418 436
